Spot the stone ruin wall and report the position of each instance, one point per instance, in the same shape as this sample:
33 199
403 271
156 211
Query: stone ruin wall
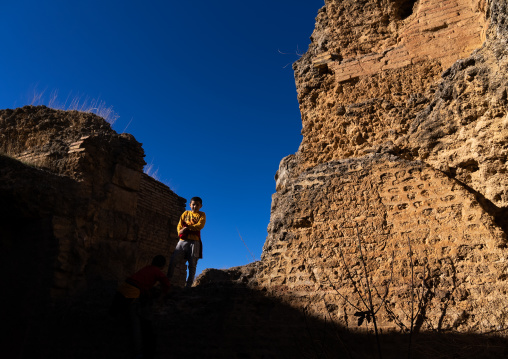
404 124
458 249
156 226
107 220
369 71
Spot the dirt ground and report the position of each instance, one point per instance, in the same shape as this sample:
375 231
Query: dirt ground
220 320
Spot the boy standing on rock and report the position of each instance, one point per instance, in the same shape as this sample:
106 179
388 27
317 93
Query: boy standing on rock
189 247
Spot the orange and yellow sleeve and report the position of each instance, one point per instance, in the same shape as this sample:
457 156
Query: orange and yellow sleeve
180 225
200 223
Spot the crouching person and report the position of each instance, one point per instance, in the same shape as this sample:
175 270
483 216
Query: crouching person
133 304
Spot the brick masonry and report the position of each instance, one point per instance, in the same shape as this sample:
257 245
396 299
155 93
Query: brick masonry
312 252
438 30
109 219
158 212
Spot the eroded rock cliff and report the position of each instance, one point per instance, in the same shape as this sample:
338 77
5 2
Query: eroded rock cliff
402 167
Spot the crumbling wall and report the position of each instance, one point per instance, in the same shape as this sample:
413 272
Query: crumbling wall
370 69
109 219
403 156
158 214
386 204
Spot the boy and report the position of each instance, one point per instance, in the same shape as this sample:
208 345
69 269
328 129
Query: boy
132 304
189 246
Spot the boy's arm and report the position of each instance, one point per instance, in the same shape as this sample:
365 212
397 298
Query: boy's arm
180 224
201 223
164 281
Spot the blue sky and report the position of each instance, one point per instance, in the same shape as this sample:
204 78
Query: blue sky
206 86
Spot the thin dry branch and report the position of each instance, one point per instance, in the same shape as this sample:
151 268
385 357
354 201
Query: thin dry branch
245 244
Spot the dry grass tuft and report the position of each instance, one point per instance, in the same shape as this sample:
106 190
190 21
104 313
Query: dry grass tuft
151 171
77 102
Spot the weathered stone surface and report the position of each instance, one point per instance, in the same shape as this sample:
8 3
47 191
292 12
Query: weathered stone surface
458 249
401 174
86 181
127 178
386 57
77 213
464 130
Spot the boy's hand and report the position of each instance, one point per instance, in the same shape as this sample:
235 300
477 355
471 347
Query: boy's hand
184 229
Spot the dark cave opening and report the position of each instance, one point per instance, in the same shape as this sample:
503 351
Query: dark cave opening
406 8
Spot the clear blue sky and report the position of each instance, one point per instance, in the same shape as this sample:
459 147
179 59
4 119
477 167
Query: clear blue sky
202 84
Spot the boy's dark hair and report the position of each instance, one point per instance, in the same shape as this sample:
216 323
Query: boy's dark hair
197 199
159 261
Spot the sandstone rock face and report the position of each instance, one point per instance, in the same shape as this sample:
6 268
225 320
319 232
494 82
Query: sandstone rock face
380 62
401 174
82 184
393 206
464 129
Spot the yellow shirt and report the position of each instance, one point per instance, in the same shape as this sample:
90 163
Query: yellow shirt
193 221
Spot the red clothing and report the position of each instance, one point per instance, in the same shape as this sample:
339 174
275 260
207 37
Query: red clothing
145 279
185 235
